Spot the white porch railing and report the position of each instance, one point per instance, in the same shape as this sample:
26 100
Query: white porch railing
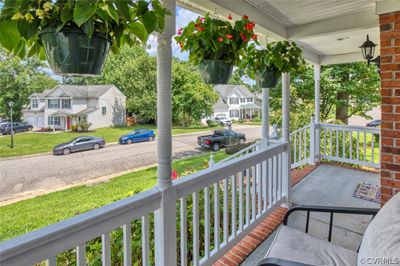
300 140
227 201
350 144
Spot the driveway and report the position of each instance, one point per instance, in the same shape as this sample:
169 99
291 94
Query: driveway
29 176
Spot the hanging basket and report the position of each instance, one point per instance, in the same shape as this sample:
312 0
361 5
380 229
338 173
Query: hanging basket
70 52
267 79
215 71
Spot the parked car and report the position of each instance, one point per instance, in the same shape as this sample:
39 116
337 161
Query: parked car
222 120
138 135
17 127
79 144
374 123
221 138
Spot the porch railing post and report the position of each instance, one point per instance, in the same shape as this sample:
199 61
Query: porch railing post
312 142
317 84
165 216
286 164
265 115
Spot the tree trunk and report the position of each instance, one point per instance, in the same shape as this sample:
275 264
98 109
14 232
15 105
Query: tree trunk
342 107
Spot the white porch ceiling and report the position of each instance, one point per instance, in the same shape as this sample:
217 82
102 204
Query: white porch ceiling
329 31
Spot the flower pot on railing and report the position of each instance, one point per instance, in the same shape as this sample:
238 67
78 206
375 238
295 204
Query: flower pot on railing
267 79
72 52
215 71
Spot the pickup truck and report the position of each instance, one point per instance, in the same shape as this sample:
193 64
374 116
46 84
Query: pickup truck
220 138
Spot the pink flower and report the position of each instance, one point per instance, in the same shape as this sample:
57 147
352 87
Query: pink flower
174 174
229 36
220 39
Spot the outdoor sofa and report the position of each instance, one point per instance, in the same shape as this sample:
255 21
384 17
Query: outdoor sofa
380 244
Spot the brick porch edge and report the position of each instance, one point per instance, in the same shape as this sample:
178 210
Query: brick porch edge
249 243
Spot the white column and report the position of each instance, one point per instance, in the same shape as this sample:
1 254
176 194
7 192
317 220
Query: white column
317 85
286 164
265 114
165 216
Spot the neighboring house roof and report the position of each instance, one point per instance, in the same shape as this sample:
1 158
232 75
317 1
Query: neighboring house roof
40 94
221 105
83 91
226 90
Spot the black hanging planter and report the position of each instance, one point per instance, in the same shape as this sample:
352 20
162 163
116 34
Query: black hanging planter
70 52
215 71
267 79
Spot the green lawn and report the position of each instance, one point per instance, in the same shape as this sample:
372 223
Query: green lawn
31 143
28 215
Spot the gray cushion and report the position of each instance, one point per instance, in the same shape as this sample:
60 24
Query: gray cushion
291 244
382 237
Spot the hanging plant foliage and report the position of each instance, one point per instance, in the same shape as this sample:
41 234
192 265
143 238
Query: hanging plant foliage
216 45
76 35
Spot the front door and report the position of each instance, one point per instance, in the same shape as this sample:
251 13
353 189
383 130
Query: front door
68 123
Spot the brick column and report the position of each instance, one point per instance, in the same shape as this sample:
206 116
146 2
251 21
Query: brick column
390 92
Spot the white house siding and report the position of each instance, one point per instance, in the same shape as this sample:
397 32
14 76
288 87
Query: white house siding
36 119
114 102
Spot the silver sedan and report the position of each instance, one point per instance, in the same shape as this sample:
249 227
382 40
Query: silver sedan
79 144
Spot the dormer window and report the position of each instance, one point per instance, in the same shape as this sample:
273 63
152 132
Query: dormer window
35 103
250 99
242 100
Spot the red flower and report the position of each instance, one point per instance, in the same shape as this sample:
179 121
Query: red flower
254 37
246 17
229 36
220 39
174 174
230 17
250 26
244 38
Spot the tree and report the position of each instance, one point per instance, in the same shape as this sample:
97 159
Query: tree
192 99
134 72
18 80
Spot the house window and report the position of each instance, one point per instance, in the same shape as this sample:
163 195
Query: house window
53 104
242 100
54 120
234 113
250 99
103 110
234 100
66 103
35 103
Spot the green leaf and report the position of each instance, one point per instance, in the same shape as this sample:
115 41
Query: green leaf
150 21
9 34
139 31
67 14
123 9
26 29
84 9
113 13
88 27
20 48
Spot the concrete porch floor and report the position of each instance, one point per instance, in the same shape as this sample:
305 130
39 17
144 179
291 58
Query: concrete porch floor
330 186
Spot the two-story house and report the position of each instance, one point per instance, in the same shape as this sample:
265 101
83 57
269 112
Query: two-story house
235 102
66 105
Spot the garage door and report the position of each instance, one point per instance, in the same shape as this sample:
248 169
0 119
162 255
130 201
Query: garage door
31 120
40 122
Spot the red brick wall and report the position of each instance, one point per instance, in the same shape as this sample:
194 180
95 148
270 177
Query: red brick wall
390 91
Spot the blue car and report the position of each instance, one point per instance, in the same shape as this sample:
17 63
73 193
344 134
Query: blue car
138 135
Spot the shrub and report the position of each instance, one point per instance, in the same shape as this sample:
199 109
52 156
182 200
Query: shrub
211 123
84 125
74 128
240 121
256 119
232 149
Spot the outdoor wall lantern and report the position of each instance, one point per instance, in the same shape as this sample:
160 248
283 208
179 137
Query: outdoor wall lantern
368 50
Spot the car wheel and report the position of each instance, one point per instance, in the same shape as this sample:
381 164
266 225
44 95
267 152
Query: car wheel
151 138
216 147
241 141
129 141
66 151
96 146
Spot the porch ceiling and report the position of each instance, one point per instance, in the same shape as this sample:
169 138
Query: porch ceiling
329 31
